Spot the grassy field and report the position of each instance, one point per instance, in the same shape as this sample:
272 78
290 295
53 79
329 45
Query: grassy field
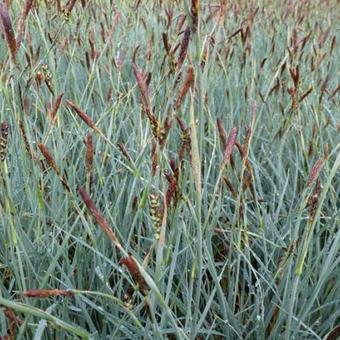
170 169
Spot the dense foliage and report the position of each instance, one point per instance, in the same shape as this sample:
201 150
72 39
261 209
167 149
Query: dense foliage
169 169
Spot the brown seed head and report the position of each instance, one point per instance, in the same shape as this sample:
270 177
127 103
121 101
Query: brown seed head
21 23
49 158
99 217
132 266
314 174
45 293
8 30
222 133
229 146
53 112
184 47
89 153
82 114
188 82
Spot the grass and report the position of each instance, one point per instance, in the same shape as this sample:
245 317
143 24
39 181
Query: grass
169 170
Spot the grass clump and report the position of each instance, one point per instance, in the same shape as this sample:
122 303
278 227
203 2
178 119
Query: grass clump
169 169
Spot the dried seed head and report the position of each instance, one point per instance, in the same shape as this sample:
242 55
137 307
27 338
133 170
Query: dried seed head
187 84
132 266
82 114
314 174
142 83
229 146
195 10
229 186
154 159
8 30
184 47
45 293
49 158
163 134
10 315
172 188
222 133
99 217
21 23
53 112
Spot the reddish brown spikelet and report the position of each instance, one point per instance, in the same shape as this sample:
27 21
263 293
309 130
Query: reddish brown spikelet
8 30
21 23
14 321
98 217
45 293
49 158
141 79
172 188
89 153
222 133
51 162
165 131
132 266
10 315
334 334
229 146
53 112
154 159
246 141
295 74
82 114
173 166
184 47
188 82
314 174
229 185
195 10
